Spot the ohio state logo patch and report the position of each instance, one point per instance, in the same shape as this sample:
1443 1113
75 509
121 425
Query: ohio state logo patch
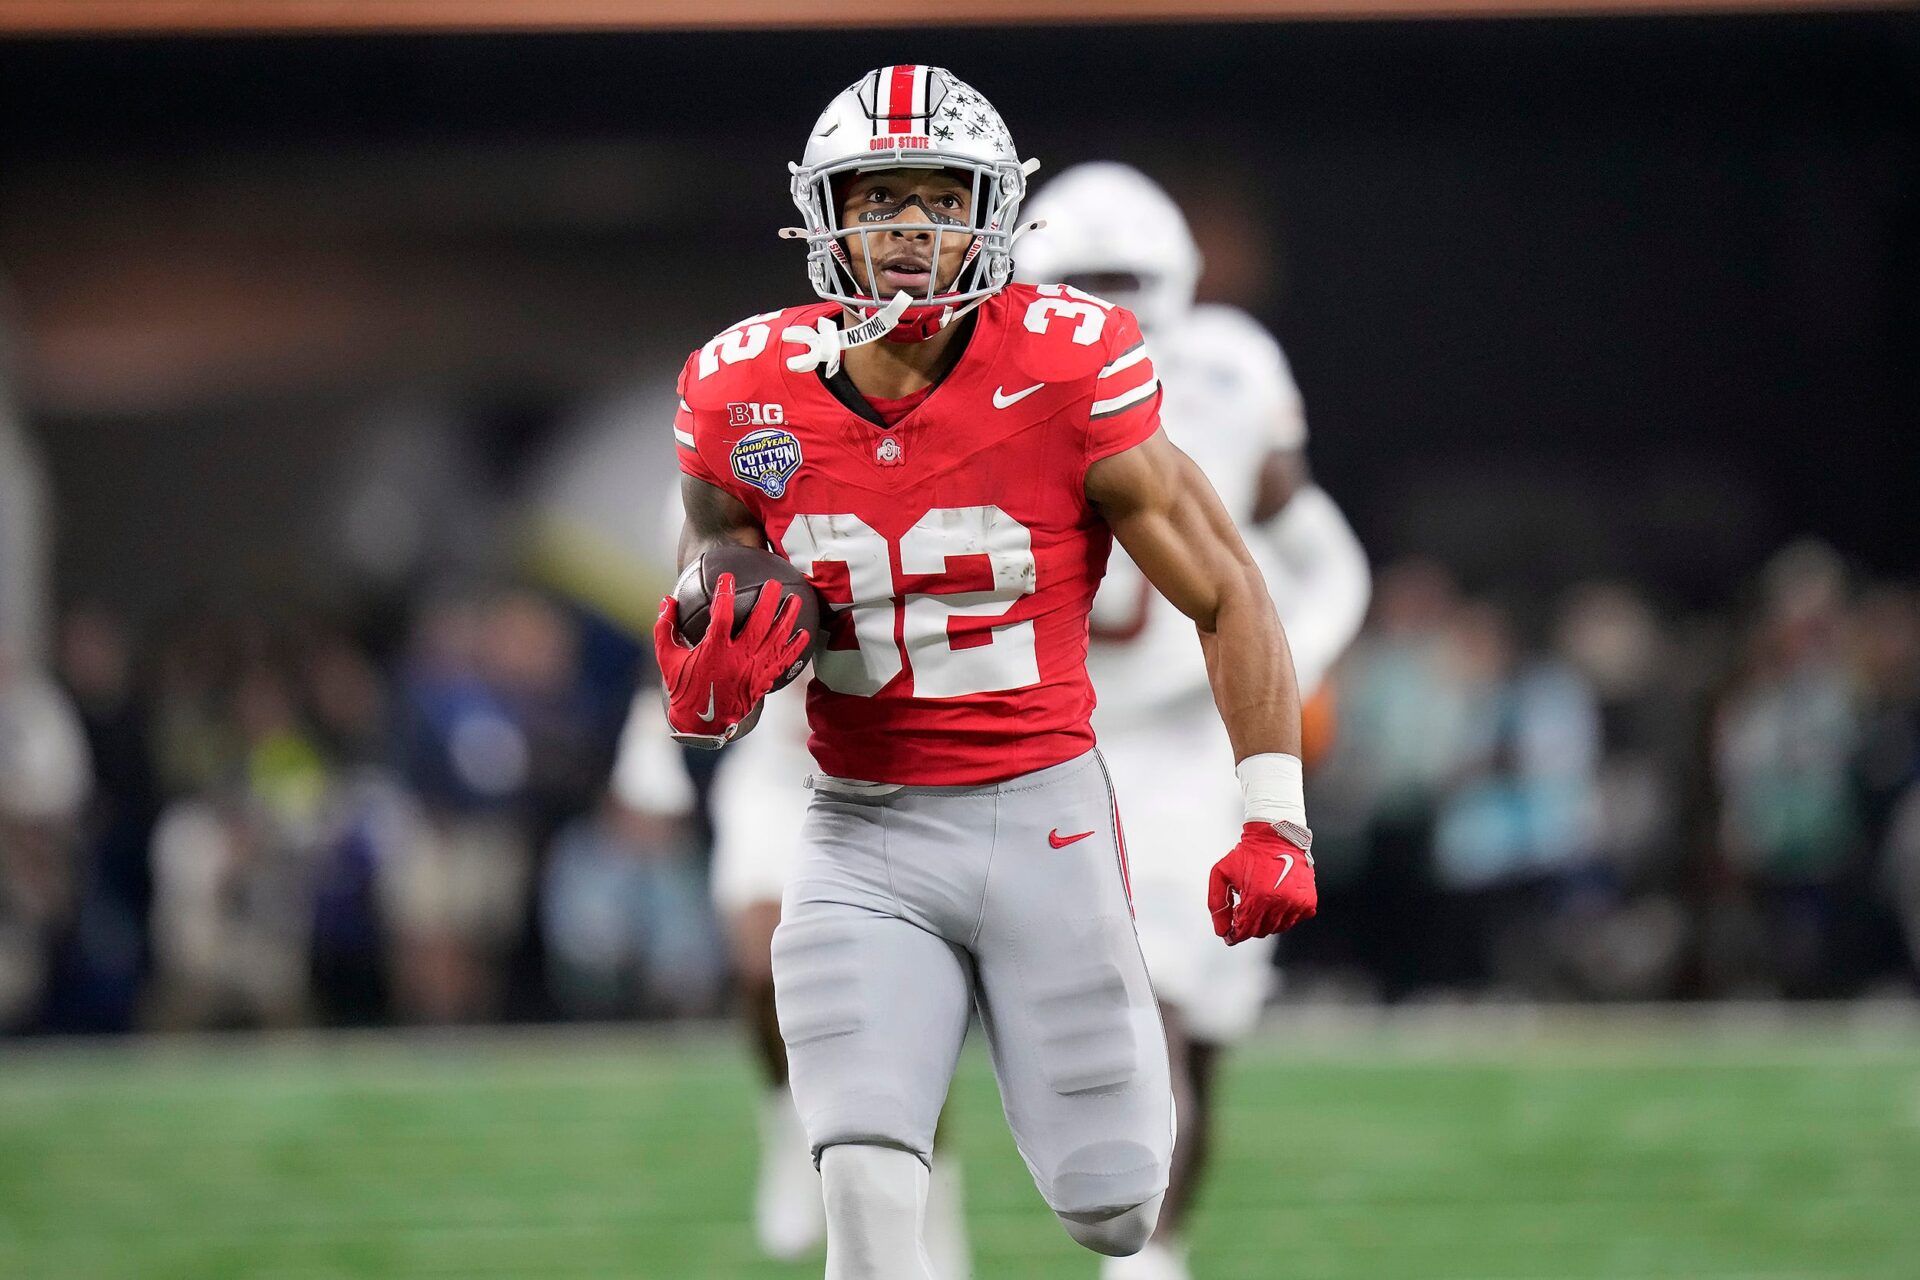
766 460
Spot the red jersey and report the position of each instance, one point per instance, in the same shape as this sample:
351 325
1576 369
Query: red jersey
957 546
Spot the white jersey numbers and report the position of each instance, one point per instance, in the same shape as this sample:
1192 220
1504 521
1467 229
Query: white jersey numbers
742 342
1058 300
1009 662
851 541
938 670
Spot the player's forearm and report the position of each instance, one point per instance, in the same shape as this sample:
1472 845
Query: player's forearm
1326 586
1251 669
714 517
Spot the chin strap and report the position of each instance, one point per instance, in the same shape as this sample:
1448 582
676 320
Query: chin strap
824 340
922 322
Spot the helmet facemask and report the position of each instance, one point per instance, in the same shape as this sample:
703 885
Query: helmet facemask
910 117
833 248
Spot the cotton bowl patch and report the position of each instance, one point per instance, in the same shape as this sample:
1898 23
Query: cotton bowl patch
767 459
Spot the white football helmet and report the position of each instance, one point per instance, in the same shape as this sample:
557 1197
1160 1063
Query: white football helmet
1106 219
923 117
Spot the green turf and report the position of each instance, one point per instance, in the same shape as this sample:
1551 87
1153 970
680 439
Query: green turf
1666 1150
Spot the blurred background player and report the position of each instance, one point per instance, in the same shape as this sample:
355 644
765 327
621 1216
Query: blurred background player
1232 405
756 805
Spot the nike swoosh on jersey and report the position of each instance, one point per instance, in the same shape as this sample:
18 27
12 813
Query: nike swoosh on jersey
1059 841
708 713
1284 870
1002 400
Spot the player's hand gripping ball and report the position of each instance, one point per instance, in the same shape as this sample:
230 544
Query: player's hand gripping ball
1265 885
741 623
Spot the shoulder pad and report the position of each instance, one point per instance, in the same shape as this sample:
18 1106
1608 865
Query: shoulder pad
743 357
1057 334
1233 346
1241 361
1226 334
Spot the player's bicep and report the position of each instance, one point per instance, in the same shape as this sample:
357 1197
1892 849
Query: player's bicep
714 516
1163 510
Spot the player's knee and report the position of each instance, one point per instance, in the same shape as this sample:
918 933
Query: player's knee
1102 1179
1108 1195
1116 1233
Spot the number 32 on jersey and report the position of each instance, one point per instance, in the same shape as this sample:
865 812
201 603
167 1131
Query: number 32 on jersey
938 670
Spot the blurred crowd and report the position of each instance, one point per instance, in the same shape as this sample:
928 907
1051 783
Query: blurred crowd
1591 799
235 821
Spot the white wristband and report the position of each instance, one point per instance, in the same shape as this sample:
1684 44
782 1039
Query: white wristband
1270 784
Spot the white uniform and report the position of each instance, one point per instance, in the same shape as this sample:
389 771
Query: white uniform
759 803
1230 401
759 795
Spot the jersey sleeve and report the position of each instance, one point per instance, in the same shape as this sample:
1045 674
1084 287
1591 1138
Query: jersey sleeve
1126 393
685 443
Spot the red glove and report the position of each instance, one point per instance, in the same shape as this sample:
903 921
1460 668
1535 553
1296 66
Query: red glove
1265 885
714 685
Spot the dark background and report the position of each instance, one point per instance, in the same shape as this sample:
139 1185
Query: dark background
1618 296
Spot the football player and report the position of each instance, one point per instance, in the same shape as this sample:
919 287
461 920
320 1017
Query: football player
1230 404
948 456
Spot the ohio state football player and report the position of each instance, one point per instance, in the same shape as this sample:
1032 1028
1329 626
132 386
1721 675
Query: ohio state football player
948 457
1232 406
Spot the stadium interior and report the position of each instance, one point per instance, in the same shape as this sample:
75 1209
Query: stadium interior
337 359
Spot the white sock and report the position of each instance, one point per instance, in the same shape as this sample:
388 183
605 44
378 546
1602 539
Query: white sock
787 1217
1159 1260
876 1202
946 1233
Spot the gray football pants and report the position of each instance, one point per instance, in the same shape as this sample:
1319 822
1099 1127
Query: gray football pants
910 906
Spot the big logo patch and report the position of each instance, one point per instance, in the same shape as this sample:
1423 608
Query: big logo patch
767 459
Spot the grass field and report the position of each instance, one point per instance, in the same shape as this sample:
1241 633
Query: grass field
1505 1150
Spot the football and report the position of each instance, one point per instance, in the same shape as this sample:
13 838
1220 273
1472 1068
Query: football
752 569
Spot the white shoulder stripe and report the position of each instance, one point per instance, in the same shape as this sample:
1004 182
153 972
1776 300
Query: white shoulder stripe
684 437
1101 408
684 406
1134 355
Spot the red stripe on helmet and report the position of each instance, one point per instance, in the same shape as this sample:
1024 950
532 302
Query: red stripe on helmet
900 100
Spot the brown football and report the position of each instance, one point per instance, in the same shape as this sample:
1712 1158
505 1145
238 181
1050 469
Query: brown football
752 569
